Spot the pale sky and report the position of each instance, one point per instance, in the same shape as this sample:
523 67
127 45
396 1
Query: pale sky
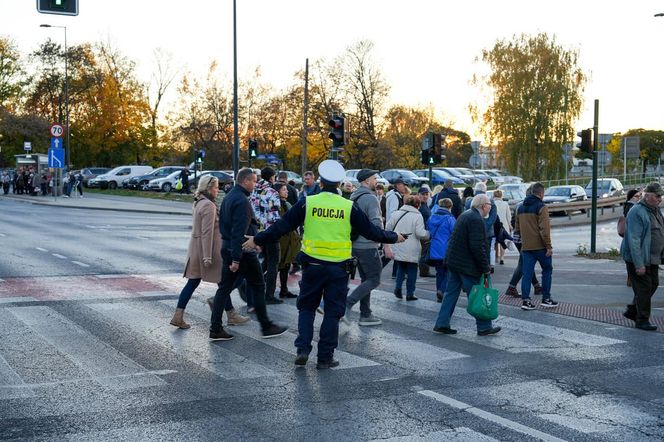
426 48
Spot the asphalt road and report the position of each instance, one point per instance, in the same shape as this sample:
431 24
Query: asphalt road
86 352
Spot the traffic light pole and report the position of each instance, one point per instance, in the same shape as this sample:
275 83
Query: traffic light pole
593 214
236 136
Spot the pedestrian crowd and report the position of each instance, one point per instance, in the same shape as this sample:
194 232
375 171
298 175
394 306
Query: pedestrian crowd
26 180
264 229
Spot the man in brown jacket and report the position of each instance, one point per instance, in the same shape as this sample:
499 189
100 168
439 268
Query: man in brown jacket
532 221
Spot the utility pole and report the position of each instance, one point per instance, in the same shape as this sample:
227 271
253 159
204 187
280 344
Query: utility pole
593 214
236 137
305 130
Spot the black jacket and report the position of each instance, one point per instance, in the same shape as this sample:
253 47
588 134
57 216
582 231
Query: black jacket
236 219
452 194
294 218
468 248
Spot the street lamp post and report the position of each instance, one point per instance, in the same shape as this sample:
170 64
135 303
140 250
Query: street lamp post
68 145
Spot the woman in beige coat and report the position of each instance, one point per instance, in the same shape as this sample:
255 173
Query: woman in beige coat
204 254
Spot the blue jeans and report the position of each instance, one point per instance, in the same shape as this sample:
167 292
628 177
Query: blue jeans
455 282
530 257
441 277
188 290
329 282
518 271
409 270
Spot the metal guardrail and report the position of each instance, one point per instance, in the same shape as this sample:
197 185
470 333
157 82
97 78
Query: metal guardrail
586 206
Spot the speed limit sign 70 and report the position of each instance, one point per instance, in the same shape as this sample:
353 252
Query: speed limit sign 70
56 131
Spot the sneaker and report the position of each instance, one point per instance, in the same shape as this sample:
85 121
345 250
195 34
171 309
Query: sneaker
411 298
301 359
287 295
346 317
538 289
549 303
369 320
502 262
272 300
444 330
323 365
527 305
490 331
513 292
646 326
439 296
398 293
273 331
220 335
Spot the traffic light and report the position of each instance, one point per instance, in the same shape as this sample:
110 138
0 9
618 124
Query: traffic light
426 157
253 148
337 130
437 149
586 144
59 7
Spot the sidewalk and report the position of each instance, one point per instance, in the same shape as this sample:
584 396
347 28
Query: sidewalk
97 201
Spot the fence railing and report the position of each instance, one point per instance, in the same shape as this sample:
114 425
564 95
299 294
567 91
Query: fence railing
630 181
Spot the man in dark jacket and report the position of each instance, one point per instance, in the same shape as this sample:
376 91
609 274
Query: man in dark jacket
467 260
236 219
453 194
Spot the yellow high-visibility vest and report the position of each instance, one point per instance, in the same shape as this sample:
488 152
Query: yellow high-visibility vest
327 227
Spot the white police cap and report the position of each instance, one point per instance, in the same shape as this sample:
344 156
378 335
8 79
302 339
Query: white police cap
331 171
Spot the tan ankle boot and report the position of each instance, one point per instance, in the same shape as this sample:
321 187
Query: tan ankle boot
234 318
178 319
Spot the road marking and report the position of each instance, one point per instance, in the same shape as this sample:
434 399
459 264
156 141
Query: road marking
82 264
519 428
141 237
395 349
17 299
112 276
2 280
152 320
11 384
283 342
460 434
59 256
2 234
102 362
42 250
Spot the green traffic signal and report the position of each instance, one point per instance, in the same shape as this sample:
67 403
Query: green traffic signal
58 7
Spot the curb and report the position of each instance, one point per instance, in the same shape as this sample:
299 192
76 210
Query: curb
112 209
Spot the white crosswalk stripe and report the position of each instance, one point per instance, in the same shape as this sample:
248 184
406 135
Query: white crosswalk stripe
93 356
193 344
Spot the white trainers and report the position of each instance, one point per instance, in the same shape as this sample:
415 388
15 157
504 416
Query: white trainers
369 320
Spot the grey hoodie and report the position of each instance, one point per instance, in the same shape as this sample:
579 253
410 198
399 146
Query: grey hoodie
366 201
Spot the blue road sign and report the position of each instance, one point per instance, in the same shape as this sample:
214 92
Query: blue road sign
56 143
56 158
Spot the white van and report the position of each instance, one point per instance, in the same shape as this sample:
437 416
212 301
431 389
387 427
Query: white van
115 177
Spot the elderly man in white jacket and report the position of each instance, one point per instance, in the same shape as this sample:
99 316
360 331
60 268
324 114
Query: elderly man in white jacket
407 220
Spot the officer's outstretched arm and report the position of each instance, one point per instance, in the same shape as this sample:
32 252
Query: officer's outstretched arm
365 227
291 220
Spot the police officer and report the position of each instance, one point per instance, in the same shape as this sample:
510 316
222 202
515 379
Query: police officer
326 258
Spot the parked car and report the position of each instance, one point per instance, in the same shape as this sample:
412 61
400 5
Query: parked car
480 176
140 182
499 178
91 172
513 193
438 177
113 179
294 177
225 180
408 177
564 194
470 180
606 187
351 175
165 183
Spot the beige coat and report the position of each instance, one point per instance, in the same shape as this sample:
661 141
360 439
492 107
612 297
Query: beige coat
205 242
408 220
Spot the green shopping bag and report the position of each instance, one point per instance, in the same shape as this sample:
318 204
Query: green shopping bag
483 300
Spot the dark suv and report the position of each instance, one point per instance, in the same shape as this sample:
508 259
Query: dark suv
141 182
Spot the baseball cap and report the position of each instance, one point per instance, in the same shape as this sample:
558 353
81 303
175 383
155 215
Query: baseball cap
655 188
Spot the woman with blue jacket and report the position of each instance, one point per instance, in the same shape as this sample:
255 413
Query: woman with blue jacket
440 225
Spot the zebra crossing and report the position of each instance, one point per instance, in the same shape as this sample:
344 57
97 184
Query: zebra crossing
68 351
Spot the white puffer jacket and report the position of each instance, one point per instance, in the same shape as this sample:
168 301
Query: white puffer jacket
408 220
